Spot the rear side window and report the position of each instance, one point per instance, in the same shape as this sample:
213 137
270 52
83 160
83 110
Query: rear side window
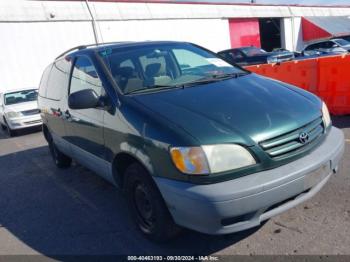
313 46
58 80
85 76
43 81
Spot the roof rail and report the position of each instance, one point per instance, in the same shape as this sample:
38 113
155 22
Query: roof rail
80 47
72 49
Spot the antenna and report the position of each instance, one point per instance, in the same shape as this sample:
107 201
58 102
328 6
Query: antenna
93 22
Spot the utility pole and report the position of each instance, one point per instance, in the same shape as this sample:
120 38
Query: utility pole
93 22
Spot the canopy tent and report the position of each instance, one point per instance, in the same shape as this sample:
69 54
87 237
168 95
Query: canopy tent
319 27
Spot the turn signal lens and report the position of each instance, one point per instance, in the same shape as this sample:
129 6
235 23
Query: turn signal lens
190 160
326 117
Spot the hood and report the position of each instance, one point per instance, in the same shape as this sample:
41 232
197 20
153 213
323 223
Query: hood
22 106
244 110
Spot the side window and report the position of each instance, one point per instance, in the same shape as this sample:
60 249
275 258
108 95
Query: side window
57 83
330 44
236 54
312 47
85 76
43 81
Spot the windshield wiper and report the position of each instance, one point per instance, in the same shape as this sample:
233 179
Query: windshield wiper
201 81
213 78
152 88
229 75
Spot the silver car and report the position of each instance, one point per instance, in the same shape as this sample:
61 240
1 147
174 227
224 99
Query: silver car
19 109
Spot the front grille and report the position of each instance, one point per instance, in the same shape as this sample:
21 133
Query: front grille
290 142
33 122
31 112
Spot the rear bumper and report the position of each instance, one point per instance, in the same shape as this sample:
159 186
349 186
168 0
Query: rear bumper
24 122
245 202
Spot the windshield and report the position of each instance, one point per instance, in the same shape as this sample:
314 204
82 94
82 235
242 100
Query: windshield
252 51
164 66
20 97
341 42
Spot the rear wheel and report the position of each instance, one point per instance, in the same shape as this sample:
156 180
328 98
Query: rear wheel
61 160
147 206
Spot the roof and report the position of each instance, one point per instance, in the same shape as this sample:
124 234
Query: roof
102 46
318 27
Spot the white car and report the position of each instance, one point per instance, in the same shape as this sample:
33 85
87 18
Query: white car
19 109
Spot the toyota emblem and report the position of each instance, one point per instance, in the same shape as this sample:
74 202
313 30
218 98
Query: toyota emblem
304 137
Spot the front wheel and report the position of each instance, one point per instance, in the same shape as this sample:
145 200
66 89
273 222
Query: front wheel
147 206
61 160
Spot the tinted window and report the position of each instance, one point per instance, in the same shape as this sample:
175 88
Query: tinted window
313 47
236 54
327 44
43 81
20 97
85 76
252 51
58 79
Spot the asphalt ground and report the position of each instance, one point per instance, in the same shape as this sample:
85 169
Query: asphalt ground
44 210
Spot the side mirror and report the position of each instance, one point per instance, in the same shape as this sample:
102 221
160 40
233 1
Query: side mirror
83 99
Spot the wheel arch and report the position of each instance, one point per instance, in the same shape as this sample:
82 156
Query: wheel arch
122 161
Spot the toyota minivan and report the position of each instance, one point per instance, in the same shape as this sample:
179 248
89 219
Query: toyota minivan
193 141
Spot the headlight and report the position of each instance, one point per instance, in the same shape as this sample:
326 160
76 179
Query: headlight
325 115
210 159
13 114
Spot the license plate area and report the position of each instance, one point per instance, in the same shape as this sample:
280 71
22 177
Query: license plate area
317 175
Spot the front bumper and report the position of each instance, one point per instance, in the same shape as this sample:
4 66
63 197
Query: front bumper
245 202
24 121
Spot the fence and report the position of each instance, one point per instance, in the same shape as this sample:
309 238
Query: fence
327 77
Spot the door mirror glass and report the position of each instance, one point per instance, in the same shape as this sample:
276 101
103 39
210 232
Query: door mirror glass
83 99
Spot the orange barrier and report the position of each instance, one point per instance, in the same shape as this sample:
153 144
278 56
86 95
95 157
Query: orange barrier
327 77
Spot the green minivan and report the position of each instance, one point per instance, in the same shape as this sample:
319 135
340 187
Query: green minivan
192 140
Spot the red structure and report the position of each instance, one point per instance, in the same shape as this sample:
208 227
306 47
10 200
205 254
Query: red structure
244 32
312 31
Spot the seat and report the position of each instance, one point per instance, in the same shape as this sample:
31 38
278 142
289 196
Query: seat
127 78
156 75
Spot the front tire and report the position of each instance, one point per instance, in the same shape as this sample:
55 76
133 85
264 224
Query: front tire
61 160
10 132
147 205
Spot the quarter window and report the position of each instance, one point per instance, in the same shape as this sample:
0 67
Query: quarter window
85 76
58 79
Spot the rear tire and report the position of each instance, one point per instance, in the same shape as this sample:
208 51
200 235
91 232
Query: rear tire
147 206
61 160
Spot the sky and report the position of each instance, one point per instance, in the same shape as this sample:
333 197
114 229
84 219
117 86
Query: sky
301 2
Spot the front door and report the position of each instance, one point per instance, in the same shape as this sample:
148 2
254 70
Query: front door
84 127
